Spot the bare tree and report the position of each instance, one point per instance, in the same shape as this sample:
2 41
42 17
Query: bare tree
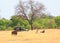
30 9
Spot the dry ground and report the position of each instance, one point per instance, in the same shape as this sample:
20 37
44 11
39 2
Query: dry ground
50 36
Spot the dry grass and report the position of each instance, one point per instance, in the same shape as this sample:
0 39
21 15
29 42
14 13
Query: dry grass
50 36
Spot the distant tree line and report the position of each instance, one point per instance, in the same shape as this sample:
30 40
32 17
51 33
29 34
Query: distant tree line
39 23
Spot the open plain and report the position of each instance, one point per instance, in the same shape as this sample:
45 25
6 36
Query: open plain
50 36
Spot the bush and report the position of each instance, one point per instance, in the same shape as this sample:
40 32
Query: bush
9 28
2 27
36 25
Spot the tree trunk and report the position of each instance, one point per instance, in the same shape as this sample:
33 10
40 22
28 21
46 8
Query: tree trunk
31 24
31 27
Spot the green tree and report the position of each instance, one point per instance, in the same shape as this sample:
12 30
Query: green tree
3 23
17 21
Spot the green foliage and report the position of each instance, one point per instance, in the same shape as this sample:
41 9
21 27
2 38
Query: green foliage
3 24
40 23
36 25
45 23
16 21
9 28
2 27
57 20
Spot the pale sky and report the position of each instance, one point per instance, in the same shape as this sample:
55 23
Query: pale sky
7 7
